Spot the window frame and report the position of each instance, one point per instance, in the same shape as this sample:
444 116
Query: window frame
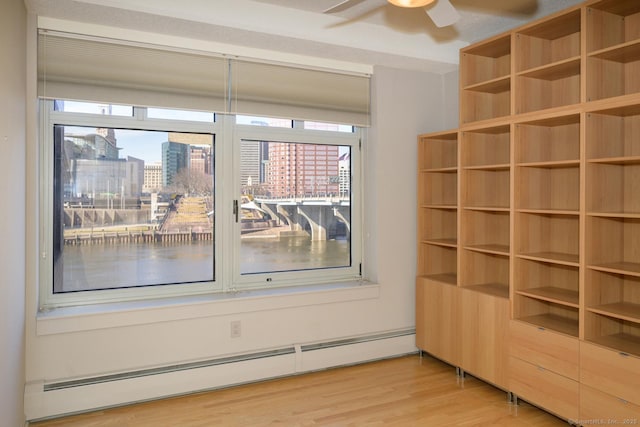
227 135
299 135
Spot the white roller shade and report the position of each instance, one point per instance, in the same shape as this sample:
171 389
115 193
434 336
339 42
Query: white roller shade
105 71
112 71
284 91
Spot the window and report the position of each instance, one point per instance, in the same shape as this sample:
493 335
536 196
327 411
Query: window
143 203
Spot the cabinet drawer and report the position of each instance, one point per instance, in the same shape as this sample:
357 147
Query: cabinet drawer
548 349
611 371
596 406
541 387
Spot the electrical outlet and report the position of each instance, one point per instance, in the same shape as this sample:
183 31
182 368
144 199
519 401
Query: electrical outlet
236 329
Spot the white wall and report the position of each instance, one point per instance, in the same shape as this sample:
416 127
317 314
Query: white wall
12 220
405 104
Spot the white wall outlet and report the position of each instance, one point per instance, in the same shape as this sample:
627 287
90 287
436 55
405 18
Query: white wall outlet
236 329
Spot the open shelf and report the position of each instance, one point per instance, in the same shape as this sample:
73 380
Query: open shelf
486 148
486 231
549 87
438 226
438 188
486 61
547 281
613 49
438 152
500 290
436 259
548 237
550 141
486 188
548 42
611 23
482 268
554 322
613 332
446 278
485 80
560 181
613 243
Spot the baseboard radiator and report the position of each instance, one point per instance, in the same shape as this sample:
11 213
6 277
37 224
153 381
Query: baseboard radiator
46 400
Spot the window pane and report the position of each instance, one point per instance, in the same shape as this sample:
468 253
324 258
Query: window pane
93 108
295 213
264 121
328 126
131 208
194 116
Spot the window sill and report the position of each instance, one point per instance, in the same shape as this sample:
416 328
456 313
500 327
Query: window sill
121 314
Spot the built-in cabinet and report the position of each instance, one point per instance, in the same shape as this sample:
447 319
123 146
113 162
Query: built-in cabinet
529 216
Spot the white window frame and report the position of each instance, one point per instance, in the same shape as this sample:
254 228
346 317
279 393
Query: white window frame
227 231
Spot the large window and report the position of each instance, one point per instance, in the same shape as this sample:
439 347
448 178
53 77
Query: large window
144 203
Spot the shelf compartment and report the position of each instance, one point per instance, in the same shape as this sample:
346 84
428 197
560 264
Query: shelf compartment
547 315
612 133
607 78
548 42
476 105
486 231
438 152
614 333
613 186
546 281
485 272
438 226
555 139
436 261
611 23
486 61
486 147
552 186
438 188
614 244
613 295
551 86
548 237
486 188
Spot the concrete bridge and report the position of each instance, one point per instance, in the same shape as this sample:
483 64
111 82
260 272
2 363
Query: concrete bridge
322 217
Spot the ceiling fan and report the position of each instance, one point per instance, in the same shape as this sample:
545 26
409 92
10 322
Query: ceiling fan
441 12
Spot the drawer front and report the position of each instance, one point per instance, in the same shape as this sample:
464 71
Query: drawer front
548 349
541 387
597 407
612 372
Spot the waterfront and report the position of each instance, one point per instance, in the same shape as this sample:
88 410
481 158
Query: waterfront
89 267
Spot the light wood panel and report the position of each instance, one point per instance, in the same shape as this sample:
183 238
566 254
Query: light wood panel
437 311
407 391
485 336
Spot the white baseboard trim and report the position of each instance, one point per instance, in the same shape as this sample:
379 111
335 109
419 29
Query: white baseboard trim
49 400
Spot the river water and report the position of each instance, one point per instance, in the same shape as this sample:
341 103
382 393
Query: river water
88 267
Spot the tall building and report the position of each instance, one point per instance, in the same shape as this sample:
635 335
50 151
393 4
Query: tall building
303 170
175 157
152 178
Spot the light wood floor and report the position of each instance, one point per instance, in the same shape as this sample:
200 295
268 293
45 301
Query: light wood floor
407 391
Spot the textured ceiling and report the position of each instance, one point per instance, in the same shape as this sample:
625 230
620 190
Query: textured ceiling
371 32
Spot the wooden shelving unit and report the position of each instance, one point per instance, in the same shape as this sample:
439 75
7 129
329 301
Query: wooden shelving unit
485 80
530 231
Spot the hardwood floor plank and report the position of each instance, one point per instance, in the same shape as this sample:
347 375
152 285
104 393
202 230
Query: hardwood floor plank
406 391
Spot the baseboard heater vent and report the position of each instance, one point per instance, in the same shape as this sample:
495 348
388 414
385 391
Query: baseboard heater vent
167 369
358 340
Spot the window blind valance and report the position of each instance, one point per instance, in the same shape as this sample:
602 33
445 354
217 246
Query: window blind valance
103 71
99 70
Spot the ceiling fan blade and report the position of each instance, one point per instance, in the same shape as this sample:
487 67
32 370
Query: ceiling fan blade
442 13
337 7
